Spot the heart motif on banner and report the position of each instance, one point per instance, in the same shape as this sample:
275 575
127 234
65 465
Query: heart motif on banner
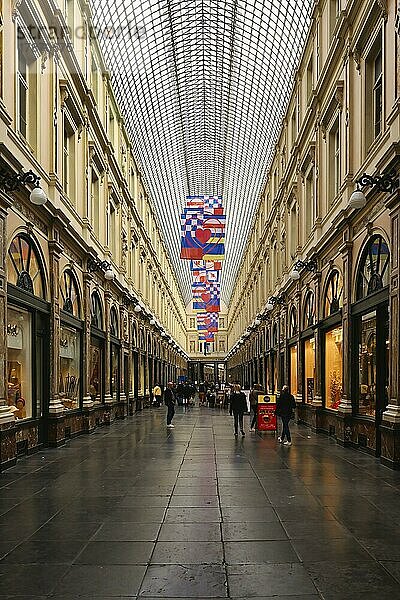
206 297
203 235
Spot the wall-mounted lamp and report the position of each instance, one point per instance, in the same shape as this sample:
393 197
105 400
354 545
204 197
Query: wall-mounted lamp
137 308
307 265
10 182
94 265
274 300
387 182
152 322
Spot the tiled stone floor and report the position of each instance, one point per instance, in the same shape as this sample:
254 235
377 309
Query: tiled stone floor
136 511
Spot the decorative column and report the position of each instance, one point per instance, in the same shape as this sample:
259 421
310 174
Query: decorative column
345 406
87 399
55 251
390 428
317 400
8 442
6 416
345 409
108 399
300 366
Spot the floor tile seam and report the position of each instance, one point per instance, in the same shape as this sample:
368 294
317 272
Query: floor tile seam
224 563
148 564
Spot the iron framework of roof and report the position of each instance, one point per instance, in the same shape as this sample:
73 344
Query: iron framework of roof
203 86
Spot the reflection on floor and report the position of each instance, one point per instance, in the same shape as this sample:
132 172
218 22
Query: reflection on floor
140 511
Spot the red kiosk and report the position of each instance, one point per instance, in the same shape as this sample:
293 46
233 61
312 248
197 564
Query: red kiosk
266 417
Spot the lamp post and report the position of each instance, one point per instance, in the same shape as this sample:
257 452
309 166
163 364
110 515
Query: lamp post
94 265
307 265
9 182
387 182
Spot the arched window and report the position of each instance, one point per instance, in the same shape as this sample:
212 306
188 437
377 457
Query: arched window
309 310
69 293
25 268
113 322
96 312
293 322
373 271
333 293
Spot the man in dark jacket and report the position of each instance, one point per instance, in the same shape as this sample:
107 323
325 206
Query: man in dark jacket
169 399
255 392
285 410
238 408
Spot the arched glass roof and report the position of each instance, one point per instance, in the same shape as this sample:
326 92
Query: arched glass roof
203 86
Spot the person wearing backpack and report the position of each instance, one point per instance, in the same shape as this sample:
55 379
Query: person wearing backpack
285 410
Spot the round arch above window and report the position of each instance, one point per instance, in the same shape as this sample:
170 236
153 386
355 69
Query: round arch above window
309 310
25 267
333 297
293 322
96 311
69 293
114 329
374 268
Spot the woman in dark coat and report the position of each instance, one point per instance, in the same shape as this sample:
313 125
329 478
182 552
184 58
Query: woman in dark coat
238 406
285 410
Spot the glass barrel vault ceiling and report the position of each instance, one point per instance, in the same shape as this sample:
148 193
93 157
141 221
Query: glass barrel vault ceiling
203 85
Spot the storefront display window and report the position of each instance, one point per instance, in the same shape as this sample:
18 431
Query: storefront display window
95 378
19 362
114 375
374 271
333 294
333 367
69 376
367 365
293 370
309 369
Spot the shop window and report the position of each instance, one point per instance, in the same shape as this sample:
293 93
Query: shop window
333 294
275 336
114 369
367 365
134 336
309 311
293 370
25 268
373 271
114 323
309 369
333 367
19 362
70 300
293 322
95 372
96 312
69 366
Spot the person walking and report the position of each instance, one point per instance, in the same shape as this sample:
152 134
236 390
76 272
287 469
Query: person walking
169 399
256 390
238 406
285 410
157 395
